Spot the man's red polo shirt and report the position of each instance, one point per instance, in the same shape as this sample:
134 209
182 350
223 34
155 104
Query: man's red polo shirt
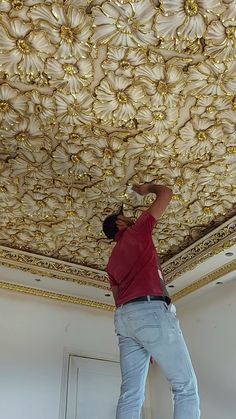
134 263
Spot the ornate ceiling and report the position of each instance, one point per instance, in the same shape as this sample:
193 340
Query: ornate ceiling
96 96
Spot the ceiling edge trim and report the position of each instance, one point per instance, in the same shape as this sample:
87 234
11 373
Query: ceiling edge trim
213 243
54 296
205 280
218 240
223 270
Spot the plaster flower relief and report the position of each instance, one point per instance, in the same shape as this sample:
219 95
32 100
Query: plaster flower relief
182 178
73 205
73 133
221 40
8 236
128 25
13 105
104 248
158 118
185 19
67 230
69 28
69 76
215 176
40 236
8 215
106 149
25 135
182 46
33 182
117 100
174 241
150 146
75 109
228 121
176 206
123 60
209 79
73 252
111 175
229 11
71 160
23 49
205 209
93 194
42 107
169 234
8 194
209 107
69 199
6 175
114 196
38 205
32 164
198 137
72 223
95 226
17 8
162 82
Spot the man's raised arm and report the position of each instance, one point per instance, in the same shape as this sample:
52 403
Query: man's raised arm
163 197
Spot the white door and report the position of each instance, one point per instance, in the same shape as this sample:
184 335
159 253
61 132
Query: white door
93 388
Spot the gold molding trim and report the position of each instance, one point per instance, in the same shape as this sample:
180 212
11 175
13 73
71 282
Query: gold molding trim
41 265
220 239
205 280
200 259
215 242
55 296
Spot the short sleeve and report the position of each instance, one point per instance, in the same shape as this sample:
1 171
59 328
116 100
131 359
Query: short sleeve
145 223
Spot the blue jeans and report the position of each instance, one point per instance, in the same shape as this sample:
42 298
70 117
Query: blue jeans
147 329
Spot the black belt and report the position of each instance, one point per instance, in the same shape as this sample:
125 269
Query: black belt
150 298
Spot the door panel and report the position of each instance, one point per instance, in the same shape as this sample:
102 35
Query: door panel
93 388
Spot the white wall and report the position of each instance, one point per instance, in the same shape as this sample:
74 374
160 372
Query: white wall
208 319
33 335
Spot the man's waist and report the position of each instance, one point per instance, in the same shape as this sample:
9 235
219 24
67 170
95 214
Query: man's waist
149 298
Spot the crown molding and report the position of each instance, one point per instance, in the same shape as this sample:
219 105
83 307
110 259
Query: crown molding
213 243
220 239
205 280
51 268
54 296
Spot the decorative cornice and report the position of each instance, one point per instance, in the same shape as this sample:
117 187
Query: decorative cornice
207 279
215 242
41 265
224 270
55 296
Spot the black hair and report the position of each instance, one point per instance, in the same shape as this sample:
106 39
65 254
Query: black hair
109 226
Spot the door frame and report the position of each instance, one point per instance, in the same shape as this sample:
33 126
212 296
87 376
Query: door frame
68 352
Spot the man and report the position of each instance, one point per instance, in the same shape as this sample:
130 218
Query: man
144 323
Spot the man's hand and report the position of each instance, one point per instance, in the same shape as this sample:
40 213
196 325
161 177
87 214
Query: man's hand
142 189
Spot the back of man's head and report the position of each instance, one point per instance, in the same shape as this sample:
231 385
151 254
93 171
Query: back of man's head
109 226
